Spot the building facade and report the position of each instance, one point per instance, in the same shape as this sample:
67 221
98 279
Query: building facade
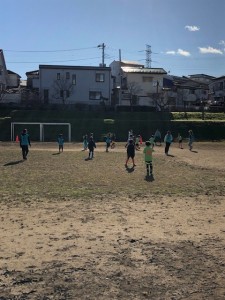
136 85
217 92
74 85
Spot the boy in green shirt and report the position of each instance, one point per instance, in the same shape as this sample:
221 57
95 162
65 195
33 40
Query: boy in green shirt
148 157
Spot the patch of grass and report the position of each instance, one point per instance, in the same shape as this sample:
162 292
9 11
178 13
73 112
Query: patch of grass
70 176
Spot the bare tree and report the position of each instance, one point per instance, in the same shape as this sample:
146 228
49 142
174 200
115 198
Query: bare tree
182 95
161 100
62 89
2 92
133 89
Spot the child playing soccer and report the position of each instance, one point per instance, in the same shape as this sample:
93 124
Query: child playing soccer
91 146
60 141
24 143
180 141
85 142
130 152
190 139
108 142
148 157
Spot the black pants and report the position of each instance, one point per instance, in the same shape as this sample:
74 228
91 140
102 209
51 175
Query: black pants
91 153
25 151
167 148
149 167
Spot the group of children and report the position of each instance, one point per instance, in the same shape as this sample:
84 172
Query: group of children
190 140
133 143
88 143
149 145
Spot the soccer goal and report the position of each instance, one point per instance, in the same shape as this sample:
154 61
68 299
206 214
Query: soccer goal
41 127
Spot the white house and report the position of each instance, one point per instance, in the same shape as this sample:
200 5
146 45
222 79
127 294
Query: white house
74 84
133 79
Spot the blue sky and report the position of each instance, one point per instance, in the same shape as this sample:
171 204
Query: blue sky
186 36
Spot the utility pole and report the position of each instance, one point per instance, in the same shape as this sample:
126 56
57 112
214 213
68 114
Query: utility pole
102 46
120 78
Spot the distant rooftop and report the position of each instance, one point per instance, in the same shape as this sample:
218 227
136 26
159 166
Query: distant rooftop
144 70
131 63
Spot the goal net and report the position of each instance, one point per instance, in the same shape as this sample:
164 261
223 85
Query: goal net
45 130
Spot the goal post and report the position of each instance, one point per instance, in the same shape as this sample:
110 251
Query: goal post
41 128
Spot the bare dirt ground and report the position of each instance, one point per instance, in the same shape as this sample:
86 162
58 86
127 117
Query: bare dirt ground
72 228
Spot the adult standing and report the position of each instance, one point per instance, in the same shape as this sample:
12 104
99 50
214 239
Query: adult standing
24 143
168 140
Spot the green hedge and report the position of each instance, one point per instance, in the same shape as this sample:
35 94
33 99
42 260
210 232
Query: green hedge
100 123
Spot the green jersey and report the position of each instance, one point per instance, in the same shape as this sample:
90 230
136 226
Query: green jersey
148 153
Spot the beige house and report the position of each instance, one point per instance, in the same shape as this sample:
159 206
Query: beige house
136 85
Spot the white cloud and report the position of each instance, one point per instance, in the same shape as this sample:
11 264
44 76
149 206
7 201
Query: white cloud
171 52
211 50
192 28
178 52
183 52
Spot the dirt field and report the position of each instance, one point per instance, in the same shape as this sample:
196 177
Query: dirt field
72 228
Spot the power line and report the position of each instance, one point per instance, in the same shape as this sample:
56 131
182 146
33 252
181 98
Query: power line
38 51
38 62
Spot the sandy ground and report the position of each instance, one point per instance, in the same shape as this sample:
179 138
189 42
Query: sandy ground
118 247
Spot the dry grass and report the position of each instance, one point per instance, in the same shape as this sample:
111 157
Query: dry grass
73 228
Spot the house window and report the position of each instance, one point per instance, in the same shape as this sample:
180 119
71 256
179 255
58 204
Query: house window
46 96
67 75
67 94
147 79
99 77
58 76
221 85
74 79
61 93
95 95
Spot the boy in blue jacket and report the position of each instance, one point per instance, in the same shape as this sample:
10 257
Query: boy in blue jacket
168 140
60 141
24 143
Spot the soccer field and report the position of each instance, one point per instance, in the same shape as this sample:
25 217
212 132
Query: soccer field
73 228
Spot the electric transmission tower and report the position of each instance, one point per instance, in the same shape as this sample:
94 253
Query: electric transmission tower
148 56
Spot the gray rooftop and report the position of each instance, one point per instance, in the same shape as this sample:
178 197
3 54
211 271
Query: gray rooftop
144 70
